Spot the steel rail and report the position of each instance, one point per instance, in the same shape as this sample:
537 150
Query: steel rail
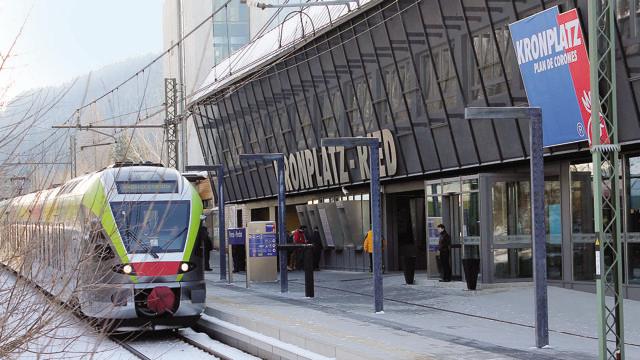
129 348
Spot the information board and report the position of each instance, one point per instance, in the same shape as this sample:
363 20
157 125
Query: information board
235 236
262 245
147 187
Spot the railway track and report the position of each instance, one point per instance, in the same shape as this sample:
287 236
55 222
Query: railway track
145 345
165 345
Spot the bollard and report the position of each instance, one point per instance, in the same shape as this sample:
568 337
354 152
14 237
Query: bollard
308 271
307 261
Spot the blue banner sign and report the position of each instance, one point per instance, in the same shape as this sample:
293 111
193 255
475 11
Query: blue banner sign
554 65
262 245
236 236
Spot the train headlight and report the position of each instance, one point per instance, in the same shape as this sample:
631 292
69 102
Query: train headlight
184 267
127 269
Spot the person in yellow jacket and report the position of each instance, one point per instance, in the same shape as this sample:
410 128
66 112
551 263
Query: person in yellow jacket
368 247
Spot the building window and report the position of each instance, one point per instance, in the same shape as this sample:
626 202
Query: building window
582 227
362 91
351 103
230 29
633 220
512 256
503 36
488 65
439 62
627 16
394 91
553 226
512 228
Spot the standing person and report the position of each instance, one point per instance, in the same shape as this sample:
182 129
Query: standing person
238 252
298 238
203 238
368 247
444 246
290 251
317 247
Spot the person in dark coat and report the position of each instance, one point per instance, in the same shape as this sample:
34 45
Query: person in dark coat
203 238
444 246
239 254
317 247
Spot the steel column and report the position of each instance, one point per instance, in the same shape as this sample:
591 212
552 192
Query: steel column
374 147
606 186
536 152
282 236
219 170
221 223
377 229
171 121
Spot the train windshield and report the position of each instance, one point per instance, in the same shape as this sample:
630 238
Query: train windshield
152 226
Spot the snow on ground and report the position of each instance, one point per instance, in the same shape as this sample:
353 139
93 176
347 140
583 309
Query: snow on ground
32 326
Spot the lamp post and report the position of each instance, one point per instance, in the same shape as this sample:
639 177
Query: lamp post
219 170
374 145
536 152
282 238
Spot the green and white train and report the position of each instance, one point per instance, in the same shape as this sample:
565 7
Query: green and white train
121 244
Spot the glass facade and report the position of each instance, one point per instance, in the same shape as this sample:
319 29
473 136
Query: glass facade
511 213
633 220
230 29
582 226
410 69
512 229
455 203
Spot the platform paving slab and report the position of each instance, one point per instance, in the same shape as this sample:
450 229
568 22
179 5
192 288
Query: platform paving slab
426 320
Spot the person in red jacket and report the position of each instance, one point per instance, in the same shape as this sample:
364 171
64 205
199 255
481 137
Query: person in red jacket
299 237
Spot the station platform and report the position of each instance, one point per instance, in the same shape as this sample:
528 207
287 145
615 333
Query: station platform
428 320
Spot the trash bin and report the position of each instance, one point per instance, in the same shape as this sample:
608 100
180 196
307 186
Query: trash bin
409 269
471 269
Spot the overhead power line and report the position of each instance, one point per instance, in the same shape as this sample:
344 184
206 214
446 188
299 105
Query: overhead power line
203 22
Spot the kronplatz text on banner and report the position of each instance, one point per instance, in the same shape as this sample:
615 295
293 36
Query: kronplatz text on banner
554 65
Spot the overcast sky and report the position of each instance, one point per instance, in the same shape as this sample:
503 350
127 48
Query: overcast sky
66 38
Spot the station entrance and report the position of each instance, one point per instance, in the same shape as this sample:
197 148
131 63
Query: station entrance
406 230
455 203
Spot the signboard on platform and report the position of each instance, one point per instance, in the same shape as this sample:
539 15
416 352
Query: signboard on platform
236 236
262 245
554 65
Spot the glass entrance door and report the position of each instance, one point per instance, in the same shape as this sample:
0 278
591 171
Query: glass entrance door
451 220
511 248
455 204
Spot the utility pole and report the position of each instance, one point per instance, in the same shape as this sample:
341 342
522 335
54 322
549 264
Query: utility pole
171 122
72 155
180 118
606 185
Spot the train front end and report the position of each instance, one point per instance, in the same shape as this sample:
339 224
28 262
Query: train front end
154 279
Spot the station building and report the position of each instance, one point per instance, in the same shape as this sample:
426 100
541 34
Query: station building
404 71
